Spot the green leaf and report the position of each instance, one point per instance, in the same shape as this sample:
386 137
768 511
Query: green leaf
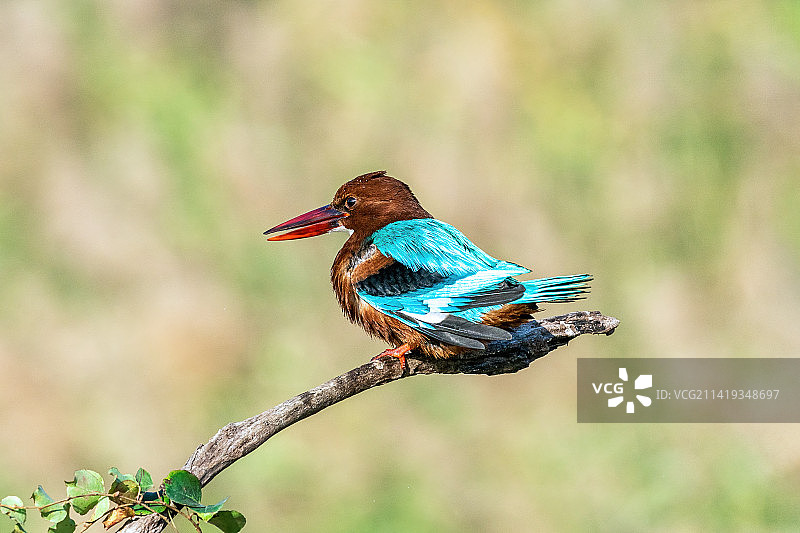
18 515
128 491
55 512
114 471
152 502
228 521
183 487
18 528
141 510
144 479
207 511
65 526
85 482
103 505
125 484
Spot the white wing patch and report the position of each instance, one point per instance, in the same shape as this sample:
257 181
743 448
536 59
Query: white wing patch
437 304
432 317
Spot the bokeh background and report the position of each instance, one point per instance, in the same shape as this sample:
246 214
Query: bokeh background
145 145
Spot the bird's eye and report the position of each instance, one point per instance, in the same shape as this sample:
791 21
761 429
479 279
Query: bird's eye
349 202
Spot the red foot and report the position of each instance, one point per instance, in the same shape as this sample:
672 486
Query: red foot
399 352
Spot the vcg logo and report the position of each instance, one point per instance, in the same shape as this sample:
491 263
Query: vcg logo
644 381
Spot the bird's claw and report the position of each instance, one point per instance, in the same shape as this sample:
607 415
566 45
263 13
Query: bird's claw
398 353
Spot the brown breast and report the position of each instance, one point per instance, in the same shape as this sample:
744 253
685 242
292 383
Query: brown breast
355 263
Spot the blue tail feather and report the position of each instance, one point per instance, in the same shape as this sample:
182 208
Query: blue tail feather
557 289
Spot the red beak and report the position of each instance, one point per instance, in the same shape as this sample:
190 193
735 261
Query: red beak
316 222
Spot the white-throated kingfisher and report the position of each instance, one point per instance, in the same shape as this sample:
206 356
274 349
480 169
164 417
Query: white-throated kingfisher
416 282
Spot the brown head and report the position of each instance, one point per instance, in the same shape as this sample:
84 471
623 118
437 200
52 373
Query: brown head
363 205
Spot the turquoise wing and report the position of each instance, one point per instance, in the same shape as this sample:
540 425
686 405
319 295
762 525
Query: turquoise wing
433 245
438 280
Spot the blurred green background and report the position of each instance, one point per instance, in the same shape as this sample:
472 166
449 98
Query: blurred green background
145 145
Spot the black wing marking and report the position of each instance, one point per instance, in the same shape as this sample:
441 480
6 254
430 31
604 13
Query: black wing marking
455 340
504 292
456 331
462 332
397 279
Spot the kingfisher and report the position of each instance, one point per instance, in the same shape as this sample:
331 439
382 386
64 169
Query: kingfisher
416 282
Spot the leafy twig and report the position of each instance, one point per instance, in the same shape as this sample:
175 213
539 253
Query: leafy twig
179 494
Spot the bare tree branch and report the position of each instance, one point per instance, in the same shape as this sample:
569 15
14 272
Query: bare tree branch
531 341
